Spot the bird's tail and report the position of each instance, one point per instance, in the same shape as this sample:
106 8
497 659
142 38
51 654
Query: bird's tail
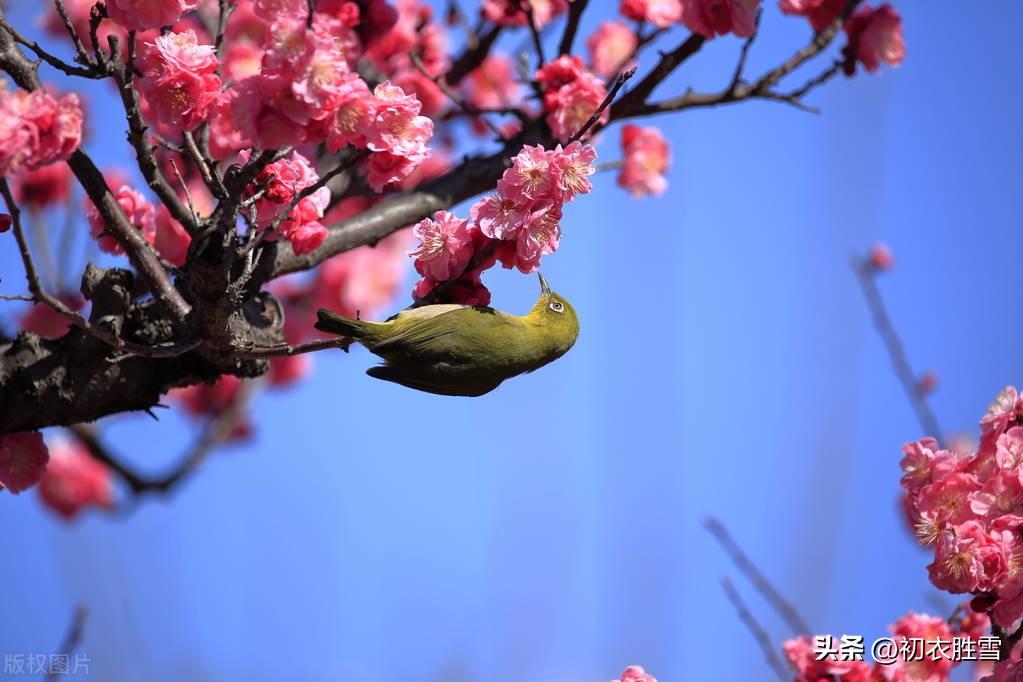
332 323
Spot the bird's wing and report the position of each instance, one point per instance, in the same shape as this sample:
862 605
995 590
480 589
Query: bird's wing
435 337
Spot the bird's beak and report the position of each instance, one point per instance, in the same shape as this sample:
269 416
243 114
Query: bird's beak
545 288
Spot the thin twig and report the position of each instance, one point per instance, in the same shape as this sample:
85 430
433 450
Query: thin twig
744 55
72 640
760 583
619 82
83 57
866 274
755 629
55 62
288 350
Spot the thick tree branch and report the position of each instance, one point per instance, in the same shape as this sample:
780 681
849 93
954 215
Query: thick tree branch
45 298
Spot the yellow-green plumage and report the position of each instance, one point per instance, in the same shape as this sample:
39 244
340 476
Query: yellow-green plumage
462 350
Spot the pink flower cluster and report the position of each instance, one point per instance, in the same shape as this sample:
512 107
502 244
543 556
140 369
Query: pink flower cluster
37 129
44 187
210 400
969 508
143 14
281 183
712 18
523 218
875 36
930 661
635 673
180 84
75 480
709 18
874 33
510 12
307 92
23 458
571 95
647 156
660 13
611 48
140 212
820 12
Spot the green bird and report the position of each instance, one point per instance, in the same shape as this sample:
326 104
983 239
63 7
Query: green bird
460 349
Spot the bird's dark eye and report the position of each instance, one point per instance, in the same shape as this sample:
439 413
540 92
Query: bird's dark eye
557 306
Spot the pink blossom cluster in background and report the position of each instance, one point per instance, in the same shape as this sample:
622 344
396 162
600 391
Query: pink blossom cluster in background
647 155
969 508
143 14
571 95
709 18
509 12
75 480
932 663
635 673
517 225
69 478
874 33
875 37
37 129
612 47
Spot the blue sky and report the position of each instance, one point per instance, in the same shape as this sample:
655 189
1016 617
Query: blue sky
552 531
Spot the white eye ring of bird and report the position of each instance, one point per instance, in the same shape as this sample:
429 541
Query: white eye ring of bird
557 306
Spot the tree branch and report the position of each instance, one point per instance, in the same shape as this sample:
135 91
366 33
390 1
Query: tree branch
762 585
866 274
755 629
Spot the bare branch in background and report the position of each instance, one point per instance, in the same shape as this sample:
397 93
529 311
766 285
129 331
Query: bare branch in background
759 634
72 640
784 609
866 273
218 430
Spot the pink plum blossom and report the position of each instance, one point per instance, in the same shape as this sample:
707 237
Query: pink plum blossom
140 212
820 12
143 14
508 12
875 36
445 246
712 18
647 156
635 673
802 656
38 189
23 458
37 129
180 84
611 47
75 480
661 13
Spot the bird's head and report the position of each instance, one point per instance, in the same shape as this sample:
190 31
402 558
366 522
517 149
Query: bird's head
556 316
